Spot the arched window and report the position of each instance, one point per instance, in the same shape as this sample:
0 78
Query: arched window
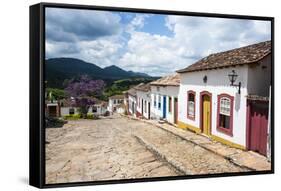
191 105
225 113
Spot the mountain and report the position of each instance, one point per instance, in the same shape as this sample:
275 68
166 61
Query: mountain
58 70
139 74
115 71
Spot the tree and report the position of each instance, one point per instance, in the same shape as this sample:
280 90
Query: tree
55 94
84 91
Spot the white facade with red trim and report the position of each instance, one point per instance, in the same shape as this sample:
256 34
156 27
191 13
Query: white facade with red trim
255 79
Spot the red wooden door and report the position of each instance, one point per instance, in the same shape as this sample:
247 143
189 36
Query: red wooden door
258 124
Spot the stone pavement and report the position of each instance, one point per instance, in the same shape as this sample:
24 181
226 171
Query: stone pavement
91 150
118 147
245 159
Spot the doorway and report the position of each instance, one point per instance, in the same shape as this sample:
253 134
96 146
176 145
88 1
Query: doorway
52 111
257 126
142 107
164 107
206 113
148 110
176 110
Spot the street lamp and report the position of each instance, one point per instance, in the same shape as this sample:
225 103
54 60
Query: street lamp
232 78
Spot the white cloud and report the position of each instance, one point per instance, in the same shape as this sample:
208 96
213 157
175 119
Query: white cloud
153 54
137 22
208 35
102 52
69 25
192 39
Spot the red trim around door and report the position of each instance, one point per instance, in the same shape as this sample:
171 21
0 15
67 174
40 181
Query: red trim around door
201 109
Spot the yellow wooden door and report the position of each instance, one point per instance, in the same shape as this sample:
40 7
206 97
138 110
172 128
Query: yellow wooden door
206 115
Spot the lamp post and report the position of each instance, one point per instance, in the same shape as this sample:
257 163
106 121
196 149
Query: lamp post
232 78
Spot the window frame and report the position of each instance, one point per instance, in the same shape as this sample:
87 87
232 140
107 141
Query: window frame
187 105
93 109
72 109
222 129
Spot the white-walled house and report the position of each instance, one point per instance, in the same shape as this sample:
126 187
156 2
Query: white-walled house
68 108
98 108
164 98
132 101
115 101
209 104
143 100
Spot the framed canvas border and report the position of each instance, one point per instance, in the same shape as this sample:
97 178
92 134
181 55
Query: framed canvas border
37 164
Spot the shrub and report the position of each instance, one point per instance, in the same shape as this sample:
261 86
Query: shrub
72 116
90 116
54 122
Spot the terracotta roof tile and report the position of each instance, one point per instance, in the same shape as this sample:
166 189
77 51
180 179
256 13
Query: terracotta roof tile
117 97
143 87
239 56
171 80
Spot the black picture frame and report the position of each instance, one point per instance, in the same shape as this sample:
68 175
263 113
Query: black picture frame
37 85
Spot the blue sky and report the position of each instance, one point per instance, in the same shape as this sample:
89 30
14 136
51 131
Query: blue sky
151 43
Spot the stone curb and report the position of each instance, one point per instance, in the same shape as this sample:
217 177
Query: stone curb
180 168
193 142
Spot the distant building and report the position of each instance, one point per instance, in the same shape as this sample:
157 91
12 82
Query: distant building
143 100
99 108
164 98
68 108
115 101
210 104
52 108
132 101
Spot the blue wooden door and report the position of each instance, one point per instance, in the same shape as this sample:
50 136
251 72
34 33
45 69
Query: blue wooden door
164 106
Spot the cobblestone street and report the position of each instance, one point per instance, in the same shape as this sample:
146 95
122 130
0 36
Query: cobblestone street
120 148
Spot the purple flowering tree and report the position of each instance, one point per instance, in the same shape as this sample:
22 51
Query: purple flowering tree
84 91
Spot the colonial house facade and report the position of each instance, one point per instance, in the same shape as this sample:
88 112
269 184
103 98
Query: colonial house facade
98 108
115 101
67 108
143 100
225 96
131 96
164 98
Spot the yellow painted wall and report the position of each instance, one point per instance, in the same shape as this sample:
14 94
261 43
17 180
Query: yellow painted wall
213 137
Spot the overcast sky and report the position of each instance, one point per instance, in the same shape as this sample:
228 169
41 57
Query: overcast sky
155 44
